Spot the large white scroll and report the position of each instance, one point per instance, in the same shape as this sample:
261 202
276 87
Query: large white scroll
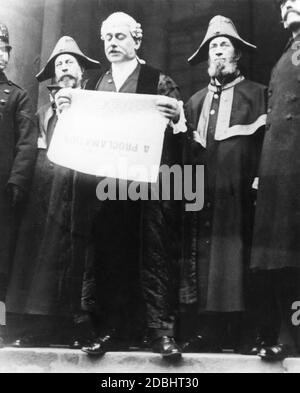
110 135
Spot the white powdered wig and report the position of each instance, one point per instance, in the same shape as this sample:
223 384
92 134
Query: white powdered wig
120 18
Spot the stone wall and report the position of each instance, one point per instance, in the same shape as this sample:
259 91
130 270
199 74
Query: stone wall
24 19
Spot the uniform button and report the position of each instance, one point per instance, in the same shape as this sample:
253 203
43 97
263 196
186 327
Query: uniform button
268 126
212 112
216 96
110 81
208 224
2 102
269 110
6 91
289 117
208 205
294 99
270 93
207 242
51 166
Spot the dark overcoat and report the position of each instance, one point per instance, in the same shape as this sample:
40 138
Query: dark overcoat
277 229
42 269
18 137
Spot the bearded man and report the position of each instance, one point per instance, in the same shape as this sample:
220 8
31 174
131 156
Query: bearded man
136 242
46 286
18 153
226 128
276 248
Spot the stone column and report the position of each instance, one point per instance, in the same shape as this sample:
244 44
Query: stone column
52 28
25 22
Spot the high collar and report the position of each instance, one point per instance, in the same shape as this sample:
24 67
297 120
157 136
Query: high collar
227 79
126 67
235 79
291 41
122 72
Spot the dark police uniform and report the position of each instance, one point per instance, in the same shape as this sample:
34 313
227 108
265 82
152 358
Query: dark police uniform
277 230
18 138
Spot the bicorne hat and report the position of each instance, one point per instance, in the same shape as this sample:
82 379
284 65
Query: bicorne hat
66 45
219 26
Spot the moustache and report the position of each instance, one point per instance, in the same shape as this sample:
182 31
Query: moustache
291 10
114 50
220 64
69 76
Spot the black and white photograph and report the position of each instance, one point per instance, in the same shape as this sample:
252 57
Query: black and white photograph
149 189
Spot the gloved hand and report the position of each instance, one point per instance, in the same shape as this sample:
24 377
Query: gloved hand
15 194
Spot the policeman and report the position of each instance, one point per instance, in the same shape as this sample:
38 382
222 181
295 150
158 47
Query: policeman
18 138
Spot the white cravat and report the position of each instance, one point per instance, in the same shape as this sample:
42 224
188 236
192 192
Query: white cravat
122 71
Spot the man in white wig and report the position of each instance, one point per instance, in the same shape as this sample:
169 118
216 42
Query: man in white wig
136 243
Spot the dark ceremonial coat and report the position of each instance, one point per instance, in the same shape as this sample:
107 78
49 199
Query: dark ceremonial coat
135 242
42 272
17 155
277 228
217 239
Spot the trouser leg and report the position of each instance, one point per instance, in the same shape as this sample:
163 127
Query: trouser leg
117 240
262 316
159 270
287 283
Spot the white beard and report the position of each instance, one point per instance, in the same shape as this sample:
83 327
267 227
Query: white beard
220 69
292 21
69 83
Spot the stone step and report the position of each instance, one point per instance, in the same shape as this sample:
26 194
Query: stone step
67 361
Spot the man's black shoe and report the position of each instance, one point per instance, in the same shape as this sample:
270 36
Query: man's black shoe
100 346
167 347
278 353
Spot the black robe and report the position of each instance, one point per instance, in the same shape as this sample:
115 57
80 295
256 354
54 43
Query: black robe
136 243
42 270
217 240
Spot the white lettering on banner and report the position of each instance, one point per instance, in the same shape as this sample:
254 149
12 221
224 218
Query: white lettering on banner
110 135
